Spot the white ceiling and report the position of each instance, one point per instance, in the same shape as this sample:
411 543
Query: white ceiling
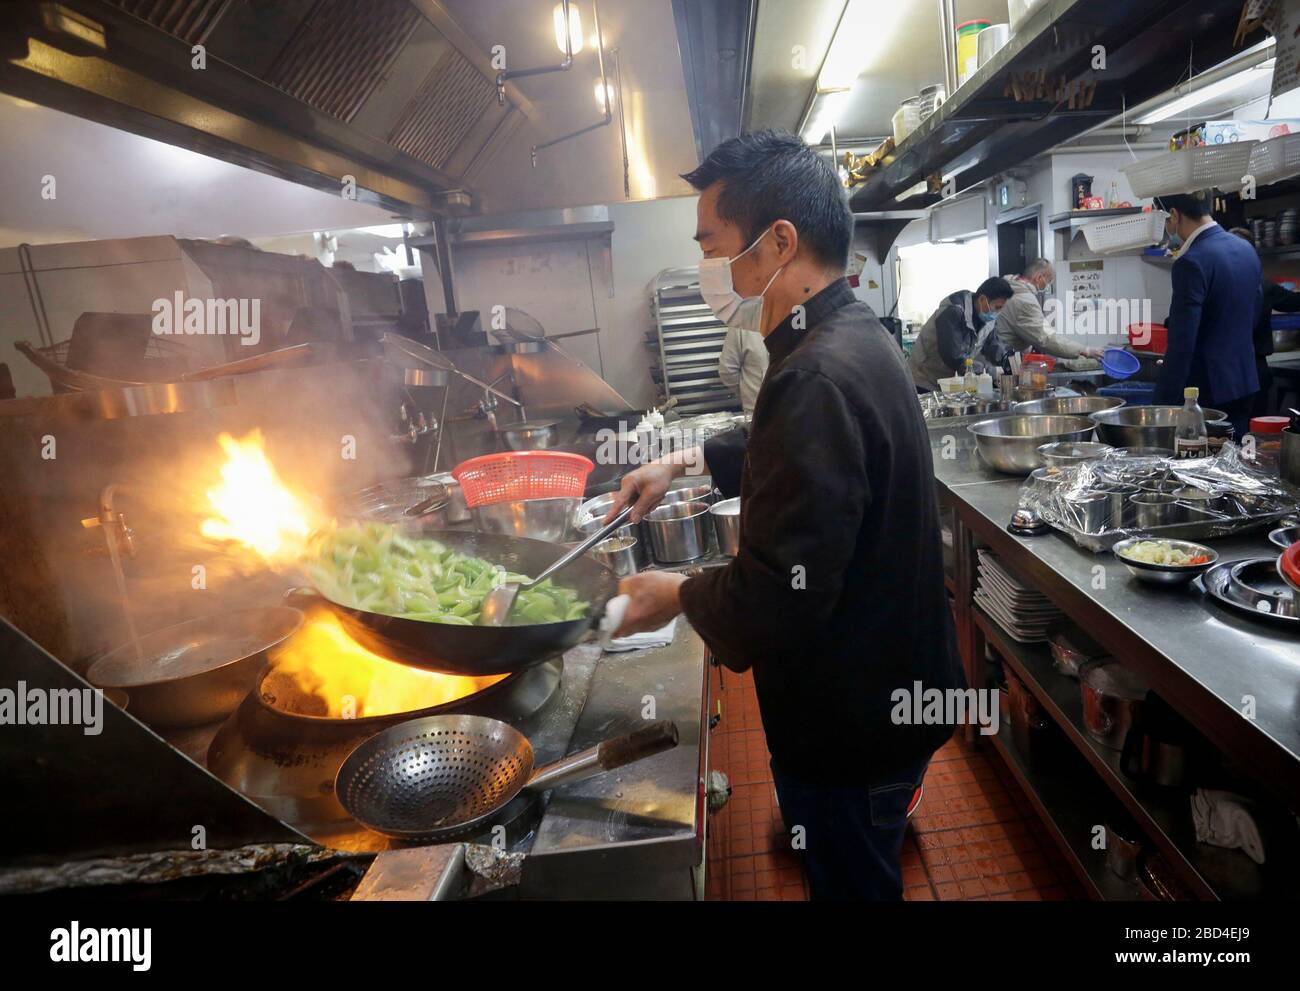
111 183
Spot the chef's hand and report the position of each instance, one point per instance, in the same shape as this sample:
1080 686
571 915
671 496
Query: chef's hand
1092 353
654 601
644 488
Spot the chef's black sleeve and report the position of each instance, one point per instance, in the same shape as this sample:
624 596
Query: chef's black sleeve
724 454
799 523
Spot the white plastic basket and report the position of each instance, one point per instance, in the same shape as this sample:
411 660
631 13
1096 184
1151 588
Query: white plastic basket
1275 159
1190 169
1137 230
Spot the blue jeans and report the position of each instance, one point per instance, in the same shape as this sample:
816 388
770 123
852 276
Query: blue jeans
853 837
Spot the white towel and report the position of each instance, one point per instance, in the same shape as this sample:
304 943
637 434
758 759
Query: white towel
615 609
1223 819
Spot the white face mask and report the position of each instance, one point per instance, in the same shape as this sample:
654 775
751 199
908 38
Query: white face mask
733 309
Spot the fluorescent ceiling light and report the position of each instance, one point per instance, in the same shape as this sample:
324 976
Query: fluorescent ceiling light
1231 84
605 99
826 110
865 32
575 27
385 230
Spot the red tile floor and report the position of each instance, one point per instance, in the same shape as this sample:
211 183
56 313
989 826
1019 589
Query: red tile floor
974 836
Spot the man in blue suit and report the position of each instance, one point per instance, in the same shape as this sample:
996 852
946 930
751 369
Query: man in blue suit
1217 299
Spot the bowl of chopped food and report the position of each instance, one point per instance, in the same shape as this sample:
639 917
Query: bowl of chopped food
1164 562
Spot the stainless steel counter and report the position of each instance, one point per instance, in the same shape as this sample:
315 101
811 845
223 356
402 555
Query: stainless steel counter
1202 658
637 831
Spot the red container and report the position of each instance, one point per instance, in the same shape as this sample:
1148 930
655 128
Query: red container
1046 360
1149 337
516 475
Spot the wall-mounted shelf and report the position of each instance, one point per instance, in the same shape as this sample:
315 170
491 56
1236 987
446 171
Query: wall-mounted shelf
982 130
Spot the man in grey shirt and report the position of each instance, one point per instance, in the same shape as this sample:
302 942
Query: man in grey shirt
1021 326
742 364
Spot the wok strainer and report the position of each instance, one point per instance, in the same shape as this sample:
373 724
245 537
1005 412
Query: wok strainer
443 776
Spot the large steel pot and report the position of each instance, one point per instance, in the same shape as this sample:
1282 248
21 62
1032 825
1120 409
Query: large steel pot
1143 426
196 672
1010 444
679 531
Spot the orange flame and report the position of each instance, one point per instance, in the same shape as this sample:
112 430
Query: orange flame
251 506
345 680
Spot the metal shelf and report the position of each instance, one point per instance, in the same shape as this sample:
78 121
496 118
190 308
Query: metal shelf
1211 872
983 130
689 340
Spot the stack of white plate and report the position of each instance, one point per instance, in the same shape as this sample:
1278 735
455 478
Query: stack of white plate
1026 615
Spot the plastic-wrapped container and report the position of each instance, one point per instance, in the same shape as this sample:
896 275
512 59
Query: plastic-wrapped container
1262 447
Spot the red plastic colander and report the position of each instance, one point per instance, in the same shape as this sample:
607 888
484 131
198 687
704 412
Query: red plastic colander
514 475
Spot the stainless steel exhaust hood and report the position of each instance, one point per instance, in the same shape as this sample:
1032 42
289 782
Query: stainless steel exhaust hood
389 93
393 101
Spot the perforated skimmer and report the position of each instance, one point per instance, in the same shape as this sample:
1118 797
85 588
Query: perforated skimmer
445 776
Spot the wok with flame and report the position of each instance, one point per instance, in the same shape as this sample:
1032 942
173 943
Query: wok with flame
253 510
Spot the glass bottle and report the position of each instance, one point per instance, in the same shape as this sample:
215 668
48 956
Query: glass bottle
1191 439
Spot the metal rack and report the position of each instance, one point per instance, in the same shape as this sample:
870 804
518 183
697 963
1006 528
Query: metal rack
689 340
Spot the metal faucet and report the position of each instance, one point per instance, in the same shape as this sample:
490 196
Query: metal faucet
116 531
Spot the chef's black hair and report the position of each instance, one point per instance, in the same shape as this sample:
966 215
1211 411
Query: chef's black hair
1194 205
770 175
994 289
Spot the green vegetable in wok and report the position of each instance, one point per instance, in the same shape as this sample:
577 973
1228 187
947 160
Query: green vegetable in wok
374 568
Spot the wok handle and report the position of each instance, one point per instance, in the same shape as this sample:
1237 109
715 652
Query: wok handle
618 752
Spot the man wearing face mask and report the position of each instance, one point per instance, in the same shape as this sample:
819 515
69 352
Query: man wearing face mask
1021 326
1217 299
962 327
835 600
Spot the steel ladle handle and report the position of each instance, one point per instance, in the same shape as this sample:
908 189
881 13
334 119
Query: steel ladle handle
618 752
583 547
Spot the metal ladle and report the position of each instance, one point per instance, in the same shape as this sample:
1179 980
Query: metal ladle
501 599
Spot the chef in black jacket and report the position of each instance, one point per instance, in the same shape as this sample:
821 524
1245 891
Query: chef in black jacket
836 599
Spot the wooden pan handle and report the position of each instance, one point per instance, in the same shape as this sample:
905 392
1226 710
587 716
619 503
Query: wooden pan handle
645 742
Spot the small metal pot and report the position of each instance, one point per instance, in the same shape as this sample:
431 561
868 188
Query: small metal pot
540 519
693 493
1121 511
631 531
456 509
1123 848
1291 456
1153 509
618 554
726 524
1089 510
679 531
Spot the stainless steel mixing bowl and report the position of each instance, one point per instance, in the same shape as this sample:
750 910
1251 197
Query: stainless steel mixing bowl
1010 444
1143 426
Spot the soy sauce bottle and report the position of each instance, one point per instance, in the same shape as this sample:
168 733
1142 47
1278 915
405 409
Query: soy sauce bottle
1191 439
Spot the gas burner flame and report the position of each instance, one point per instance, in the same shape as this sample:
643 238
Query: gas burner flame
252 508
323 672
